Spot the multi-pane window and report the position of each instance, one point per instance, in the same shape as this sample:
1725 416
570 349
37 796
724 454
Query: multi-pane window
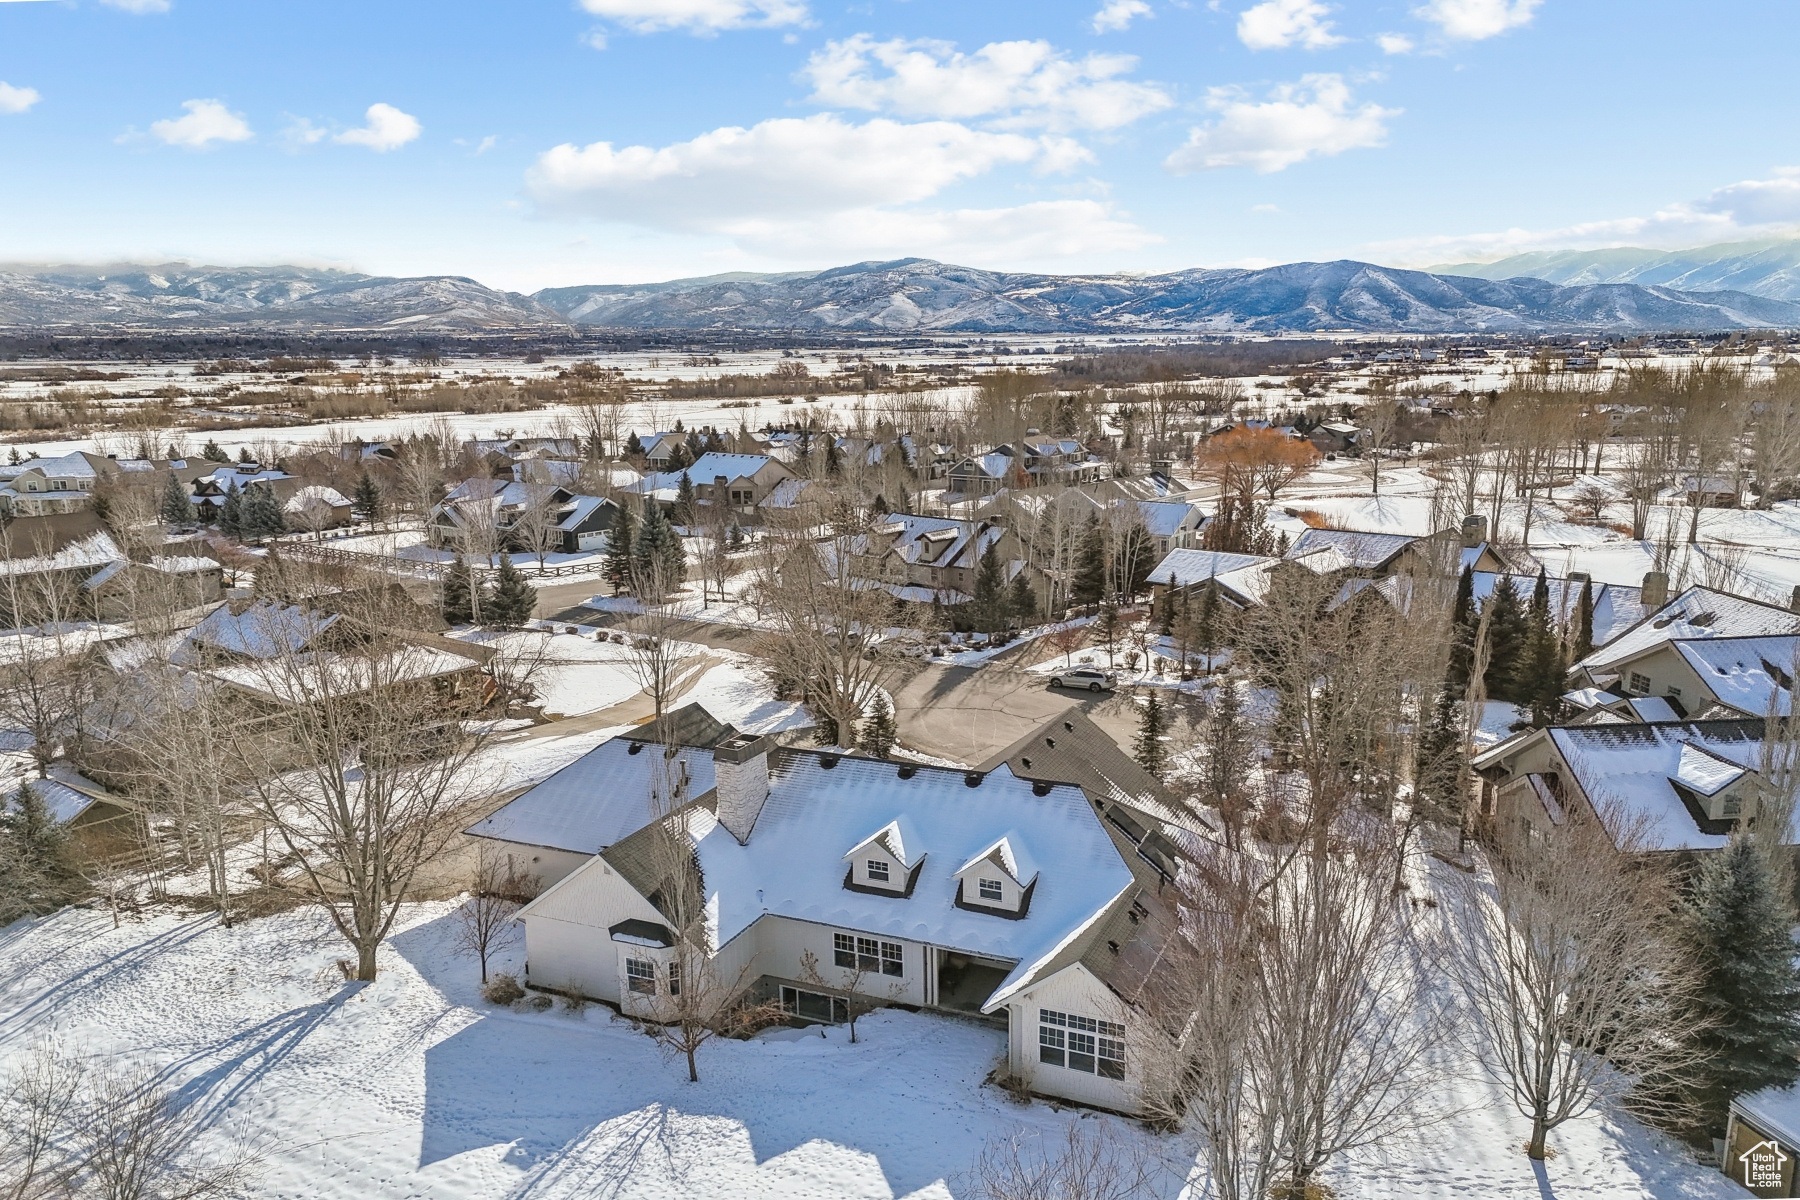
640 976
878 870
867 954
1639 684
674 979
991 890
1081 1043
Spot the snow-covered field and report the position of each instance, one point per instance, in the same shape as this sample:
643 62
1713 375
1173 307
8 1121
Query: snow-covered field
411 1086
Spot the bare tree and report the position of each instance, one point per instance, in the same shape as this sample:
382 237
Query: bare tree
138 1142
485 924
1084 1163
37 1106
659 657
534 528
367 768
1378 420
1576 989
849 981
48 675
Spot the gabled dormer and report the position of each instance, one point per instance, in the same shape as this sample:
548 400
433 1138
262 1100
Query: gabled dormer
998 880
1717 792
886 862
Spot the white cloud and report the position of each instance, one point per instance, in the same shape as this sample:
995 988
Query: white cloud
1015 84
302 132
1116 15
1759 201
698 16
1301 120
1278 24
139 6
387 129
1394 43
207 121
1474 20
823 186
17 99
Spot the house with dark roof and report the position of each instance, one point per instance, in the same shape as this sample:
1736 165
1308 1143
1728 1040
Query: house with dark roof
978 893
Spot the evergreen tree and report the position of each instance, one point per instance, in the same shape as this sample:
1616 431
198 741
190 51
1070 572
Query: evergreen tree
1020 601
177 509
735 537
1165 611
879 732
1151 752
1230 760
658 553
990 591
514 600
1442 768
1737 923
367 502
834 459
1462 629
231 513
684 501
261 517
1206 624
1584 622
34 858
459 591
213 452
12 457
1106 627
634 447
1088 583
244 455
1546 672
680 458
619 541
1508 639
1540 601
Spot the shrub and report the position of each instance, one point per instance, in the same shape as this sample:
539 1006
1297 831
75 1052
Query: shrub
502 989
539 1003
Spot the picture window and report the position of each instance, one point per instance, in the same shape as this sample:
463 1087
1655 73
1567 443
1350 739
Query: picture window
640 976
1079 1043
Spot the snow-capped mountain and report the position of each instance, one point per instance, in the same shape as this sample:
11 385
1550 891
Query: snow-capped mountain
907 295
1764 268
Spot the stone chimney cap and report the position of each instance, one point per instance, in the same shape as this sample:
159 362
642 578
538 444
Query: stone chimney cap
742 747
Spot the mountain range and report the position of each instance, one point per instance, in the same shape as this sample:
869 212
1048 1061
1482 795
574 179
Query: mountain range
904 296
1765 268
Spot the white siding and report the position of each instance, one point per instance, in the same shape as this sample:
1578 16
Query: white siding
1073 990
566 943
896 880
780 943
549 866
1010 892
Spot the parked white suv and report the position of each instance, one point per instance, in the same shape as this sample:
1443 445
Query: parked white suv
1091 678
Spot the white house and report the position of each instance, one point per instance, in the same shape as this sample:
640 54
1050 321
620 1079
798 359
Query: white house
978 893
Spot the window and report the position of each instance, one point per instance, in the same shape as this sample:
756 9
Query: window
1673 693
640 976
991 890
878 870
1732 807
674 979
867 954
1081 1043
1639 684
814 1006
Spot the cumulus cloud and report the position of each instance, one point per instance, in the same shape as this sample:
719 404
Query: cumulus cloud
1013 84
385 128
1475 20
1116 15
1394 43
1278 24
704 17
206 122
17 99
1312 118
822 185
1759 201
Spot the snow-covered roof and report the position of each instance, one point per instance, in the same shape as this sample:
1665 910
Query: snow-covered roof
1748 673
1166 518
1704 772
608 793
1183 567
95 550
1363 550
939 541
316 493
792 865
74 465
1696 613
262 630
322 674
1007 853
895 837
1652 708
1626 771
709 466
785 494
1616 607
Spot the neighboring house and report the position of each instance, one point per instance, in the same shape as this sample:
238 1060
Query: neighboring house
1172 524
1710 492
1337 437
114 589
1678 786
100 825
213 487
1033 462
979 475
519 514
922 559
1368 554
739 482
659 448
1184 571
89 574
1697 614
977 894
46 486
1710 676
316 506
1762 1141
604 796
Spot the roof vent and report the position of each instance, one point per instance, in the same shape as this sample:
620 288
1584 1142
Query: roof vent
1040 789
908 772
1113 946
1050 742
636 748
827 761
973 779
1069 725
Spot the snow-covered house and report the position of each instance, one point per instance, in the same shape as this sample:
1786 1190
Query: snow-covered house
522 513
1184 571
1642 660
317 506
974 893
1032 462
739 482
1172 524
98 822
925 559
1679 786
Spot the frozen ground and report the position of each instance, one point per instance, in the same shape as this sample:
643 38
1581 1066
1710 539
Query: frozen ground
412 1087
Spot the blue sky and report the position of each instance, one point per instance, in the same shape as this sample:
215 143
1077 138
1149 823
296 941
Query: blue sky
534 144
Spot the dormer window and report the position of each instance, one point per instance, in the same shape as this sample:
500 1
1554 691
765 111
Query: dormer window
999 880
878 870
886 862
992 891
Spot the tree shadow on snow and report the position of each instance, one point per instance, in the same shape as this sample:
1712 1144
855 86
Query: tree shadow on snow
69 993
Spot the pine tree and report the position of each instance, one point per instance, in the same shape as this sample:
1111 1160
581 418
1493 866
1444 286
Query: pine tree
213 452
367 502
619 542
1151 752
834 460
261 516
1584 622
1206 624
459 587
514 600
33 856
244 455
176 508
684 501
231 513
1088 584
1230 759
1737 924
1020 601
12 457
1508 640
634 447
879 732
1462 629
658 553
1442 768
990 591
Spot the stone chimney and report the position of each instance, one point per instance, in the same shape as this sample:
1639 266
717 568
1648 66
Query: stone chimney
1576 577
741 774
1474 530
1656 589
